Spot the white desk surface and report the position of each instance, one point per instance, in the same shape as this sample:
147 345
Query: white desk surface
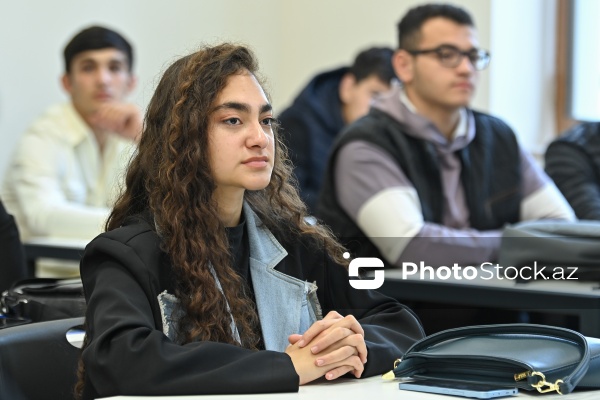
58 242
373 388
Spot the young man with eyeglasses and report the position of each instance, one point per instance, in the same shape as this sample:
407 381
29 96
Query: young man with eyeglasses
423 178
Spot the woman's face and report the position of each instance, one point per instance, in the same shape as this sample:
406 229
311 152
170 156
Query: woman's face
240 137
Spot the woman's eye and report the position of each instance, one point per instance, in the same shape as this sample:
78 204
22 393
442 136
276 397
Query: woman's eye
268 121
232 121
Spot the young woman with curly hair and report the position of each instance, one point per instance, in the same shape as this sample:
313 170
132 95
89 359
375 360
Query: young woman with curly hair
208 278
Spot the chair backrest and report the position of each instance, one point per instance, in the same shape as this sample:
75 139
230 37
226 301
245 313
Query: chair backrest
39 360
12 254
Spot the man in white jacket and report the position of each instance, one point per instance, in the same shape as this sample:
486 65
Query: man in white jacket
68 165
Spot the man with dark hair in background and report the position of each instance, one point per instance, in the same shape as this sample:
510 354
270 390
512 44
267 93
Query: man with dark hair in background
67 166
331 100
423 164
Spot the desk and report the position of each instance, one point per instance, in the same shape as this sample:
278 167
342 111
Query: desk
373 388
568 297
63 249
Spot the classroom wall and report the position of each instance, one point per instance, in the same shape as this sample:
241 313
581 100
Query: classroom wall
522 73
293 40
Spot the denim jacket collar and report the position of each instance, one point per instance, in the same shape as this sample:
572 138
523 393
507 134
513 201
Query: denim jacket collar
285 304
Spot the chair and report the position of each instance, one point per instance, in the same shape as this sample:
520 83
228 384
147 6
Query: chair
12 255
39 360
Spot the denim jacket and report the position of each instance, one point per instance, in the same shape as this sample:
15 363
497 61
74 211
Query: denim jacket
285 304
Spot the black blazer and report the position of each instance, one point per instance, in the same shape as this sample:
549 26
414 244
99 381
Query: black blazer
124 270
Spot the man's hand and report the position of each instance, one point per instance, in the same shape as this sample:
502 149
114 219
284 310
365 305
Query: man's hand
124 119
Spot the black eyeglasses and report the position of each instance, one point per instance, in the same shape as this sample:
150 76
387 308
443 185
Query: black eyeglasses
451 57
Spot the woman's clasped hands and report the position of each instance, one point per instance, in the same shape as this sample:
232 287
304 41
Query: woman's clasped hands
331 347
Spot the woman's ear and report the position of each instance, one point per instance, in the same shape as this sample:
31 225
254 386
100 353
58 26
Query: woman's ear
403 63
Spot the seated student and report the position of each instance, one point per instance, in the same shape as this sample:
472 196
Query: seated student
331 100
66 168
424 178
208 279
573 162
13 267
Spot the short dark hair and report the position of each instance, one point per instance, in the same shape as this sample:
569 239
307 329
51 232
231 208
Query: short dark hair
96 38
374 61
409 27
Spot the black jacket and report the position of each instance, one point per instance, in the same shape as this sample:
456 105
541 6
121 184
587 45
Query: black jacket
310 125
573 162
123 272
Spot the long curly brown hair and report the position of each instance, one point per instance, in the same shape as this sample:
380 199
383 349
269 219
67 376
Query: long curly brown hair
171 178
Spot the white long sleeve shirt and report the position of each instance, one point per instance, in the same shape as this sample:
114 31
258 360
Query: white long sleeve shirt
58 183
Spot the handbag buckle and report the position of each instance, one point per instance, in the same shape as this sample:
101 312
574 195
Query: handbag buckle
543 386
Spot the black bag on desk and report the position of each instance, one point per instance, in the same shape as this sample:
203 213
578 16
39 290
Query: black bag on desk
526 356
569 247
44 299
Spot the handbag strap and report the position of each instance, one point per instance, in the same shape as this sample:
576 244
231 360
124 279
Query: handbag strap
566 385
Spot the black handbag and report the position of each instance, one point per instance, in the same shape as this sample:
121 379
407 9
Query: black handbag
44 299
526 356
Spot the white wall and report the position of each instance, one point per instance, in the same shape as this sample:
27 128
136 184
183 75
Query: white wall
318 34
293 40
523 68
